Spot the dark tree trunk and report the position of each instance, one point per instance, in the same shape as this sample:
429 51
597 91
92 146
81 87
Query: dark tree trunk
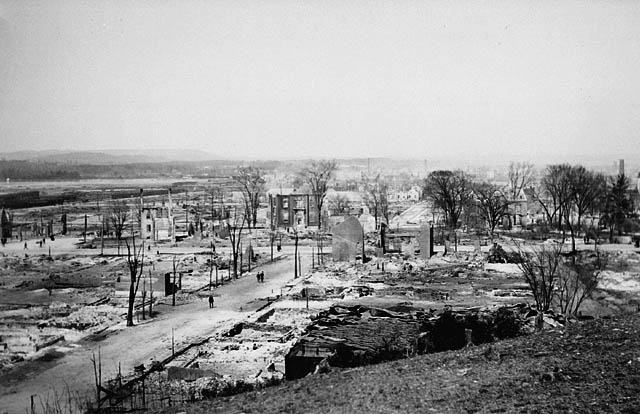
295 259
130 304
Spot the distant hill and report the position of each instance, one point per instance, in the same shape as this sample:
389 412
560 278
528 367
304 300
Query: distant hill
107 157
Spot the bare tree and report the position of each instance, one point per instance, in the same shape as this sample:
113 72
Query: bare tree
119 216
597 209
587 188
555 195
575 190
235 225
135 264
541 267
295 254
338 203
554 280
567 194
520 175
492 204
577 281
450 191
318 175
583 189
569 185
150 296
252 182
619 205
377 198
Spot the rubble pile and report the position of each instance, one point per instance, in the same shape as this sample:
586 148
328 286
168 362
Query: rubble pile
498 255
359 335
249 352
85 317
211 386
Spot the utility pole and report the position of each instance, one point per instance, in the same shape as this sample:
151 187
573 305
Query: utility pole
102 238
174 287
150 295
295 259
186 203
144 297
250 254
211 267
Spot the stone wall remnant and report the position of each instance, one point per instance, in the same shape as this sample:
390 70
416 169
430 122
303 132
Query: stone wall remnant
348 239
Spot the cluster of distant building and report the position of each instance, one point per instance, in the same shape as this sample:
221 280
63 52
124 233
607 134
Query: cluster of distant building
288 208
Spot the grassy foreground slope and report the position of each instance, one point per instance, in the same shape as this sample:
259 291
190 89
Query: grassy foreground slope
587 367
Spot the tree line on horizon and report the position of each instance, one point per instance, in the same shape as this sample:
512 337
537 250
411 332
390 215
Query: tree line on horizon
565 193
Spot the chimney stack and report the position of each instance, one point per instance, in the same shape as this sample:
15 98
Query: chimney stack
621 167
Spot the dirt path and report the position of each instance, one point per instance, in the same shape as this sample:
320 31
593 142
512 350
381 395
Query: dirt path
138 345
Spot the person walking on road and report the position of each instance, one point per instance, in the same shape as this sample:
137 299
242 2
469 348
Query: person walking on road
210 301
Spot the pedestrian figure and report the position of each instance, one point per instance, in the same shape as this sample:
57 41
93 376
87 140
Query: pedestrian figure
262 277
258 277
25 245
210 301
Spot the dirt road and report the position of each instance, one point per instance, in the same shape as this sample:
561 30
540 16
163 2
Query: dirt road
128 347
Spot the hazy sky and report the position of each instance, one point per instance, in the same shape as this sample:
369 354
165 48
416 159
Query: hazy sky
327 78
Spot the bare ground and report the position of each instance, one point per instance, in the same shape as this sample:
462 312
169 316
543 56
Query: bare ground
588 367
69 364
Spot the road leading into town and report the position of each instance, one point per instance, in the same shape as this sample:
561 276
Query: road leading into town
127 347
